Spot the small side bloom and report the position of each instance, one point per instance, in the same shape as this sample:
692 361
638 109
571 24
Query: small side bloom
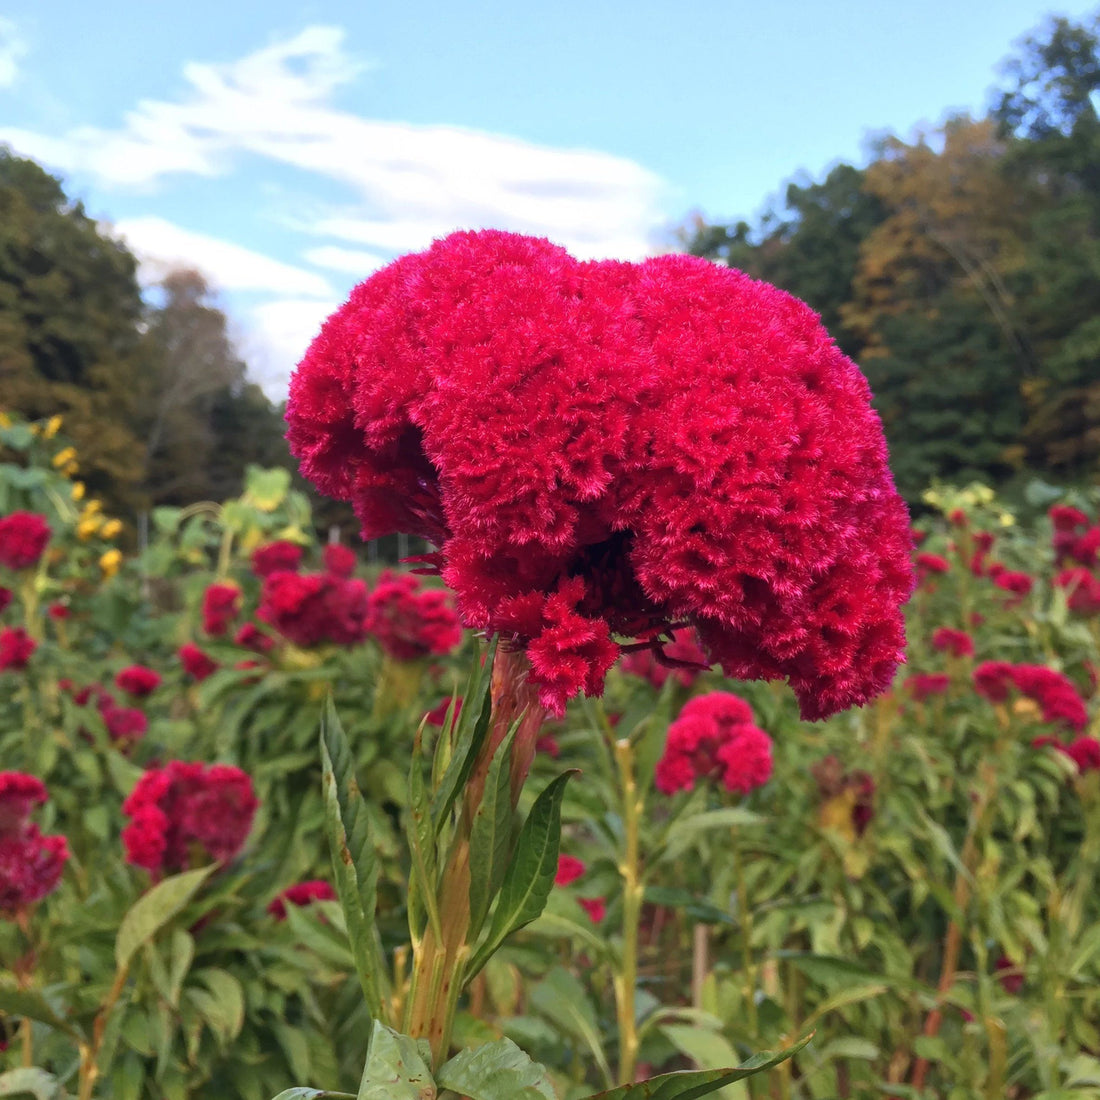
339 560
220 604
23 539
138 681
281 556
923 684
569 870
197 664
956 642
302 893
16 648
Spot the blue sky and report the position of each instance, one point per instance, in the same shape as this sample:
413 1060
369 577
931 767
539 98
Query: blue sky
289 149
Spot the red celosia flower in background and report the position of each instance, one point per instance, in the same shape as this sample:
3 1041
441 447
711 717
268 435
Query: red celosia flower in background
300 894
19 794
1085 753
548 744
408 622
340 560
58 611
1009 975
16 648
983 543
93 693
569 870
1019 584
957 518
606 449
681 659
596 908
931 563
276 557
250 636
438 714
313 608
23 538
1058 699
5 598
956 642
923 684
220 604
124 723
917 536
183 809
714 738
137 680
1084 590
1066 518
1070 543
196 663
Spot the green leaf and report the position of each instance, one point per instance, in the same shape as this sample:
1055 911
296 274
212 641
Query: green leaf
396 1068
228 1001
33 1006
154 909
266 488
847 997
686 831
420 830
491 834
354 861
687 1086
706 1047
303 1093
31 1081
530 875
562 999
496 1071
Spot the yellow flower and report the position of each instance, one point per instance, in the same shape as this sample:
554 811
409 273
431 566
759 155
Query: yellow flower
5 420
87 527
53 426
78 490
92 507
111 528
64 457
110 562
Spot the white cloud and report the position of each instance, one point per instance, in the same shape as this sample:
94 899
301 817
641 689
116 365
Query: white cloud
161 245
406 184
278 334
12 50
348 261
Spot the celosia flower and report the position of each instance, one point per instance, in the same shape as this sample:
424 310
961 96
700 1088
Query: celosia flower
932 563
313 608
917 536
137 680
1069 542
19 794
682 659
276 557
983 543
569 870
220 604
438 714
1085 753
340 560
410 623
1058 699
609 449
196 663
30 867
1019 584
596 908
714 738
93 693
23 538
124 723
923 684
250 636
58 611
1009 974
16 648
300 894
956 642
5 598
1083 587
182 810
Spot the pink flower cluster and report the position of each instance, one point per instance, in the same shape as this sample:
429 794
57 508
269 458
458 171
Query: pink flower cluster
16 648
30 863
276 557
302 893
409 622
313 608
23 538
185 810
1055 694
924 684
1084 751
125 725
714 738
956 642
1083 588
612 449
1073 539
220 604
682 659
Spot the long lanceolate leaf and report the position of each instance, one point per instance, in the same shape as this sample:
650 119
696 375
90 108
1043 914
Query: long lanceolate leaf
530 875
354 860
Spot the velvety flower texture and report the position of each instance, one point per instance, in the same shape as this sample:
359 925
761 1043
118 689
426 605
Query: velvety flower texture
137 680
16 648
276 557
23 538
605 450
714 739
1058 699
197 664
220 604
30 863
682 659
300 894
183 809
312 608
956 642
409 622
339 560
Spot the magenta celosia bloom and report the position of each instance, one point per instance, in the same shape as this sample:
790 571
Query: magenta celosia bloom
1055 694
276 557
438 714
16 648
410 622
569 870
714 738
183 810
1019 584
19 794
126 724
682 659
1083 588
59 612
23 538
611 450
596 908
300 894
30 867
220 604
339 560
932 563
956 642
250 636
137 680
924 684
313 608
196 663
1085 753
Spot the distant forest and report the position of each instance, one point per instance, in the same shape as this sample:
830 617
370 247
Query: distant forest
961 271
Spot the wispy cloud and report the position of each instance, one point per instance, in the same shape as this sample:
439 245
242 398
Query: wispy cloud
13 49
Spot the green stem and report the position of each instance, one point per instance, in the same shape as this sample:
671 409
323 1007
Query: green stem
633 889
744 913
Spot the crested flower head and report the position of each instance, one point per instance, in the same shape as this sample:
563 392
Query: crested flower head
612 450
714 738
956 642
1083 589
276 557
410 622
1059 701
19 794
924 684
197 664
137 680
16 648
30 863
23 538
313 608
340 560
220 604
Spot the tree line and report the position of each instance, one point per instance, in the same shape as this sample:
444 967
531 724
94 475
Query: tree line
961 270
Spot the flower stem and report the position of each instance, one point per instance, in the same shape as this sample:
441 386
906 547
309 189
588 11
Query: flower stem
633 890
